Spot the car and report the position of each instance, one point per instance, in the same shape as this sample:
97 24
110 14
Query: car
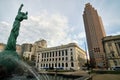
116 68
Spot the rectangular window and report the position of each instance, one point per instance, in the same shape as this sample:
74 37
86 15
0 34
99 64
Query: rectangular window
56 53
42 55
59 58
66 52
50 54
71 58
53 54
47 54
72 64
63 58
62 52
59 53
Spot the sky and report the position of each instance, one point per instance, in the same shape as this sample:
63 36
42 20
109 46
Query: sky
57 21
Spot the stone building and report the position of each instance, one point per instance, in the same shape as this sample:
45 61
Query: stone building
111 46
29 50
19 49
65 57
2 46
94 32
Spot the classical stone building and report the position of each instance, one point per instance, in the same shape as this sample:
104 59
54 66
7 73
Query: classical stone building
19 49
94 32
111 46
2 46
66 57
29 50
27 55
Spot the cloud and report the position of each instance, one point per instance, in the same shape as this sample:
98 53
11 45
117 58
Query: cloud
4 31
52 27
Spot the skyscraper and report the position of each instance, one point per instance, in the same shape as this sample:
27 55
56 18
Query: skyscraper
94 32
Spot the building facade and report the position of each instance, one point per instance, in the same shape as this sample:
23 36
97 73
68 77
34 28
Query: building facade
65 57
2 46
19 49
29 50
111 46
26 47
94 32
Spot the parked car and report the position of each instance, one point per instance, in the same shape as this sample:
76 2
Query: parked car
116 68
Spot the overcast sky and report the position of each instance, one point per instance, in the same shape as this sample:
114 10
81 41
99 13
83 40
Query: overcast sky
57 21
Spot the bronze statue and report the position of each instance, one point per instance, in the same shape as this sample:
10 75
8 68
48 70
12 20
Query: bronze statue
11 44
9 58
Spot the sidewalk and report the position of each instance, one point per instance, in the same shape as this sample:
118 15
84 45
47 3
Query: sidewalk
106 77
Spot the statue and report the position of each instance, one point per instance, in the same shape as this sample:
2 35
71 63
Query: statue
9 57
11 44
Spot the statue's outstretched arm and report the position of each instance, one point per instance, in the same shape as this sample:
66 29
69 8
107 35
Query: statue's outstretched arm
20 8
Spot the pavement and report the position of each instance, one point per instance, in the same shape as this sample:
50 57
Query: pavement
106 77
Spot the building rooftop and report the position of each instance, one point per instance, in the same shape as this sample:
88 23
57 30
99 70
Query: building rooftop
61 46
109 38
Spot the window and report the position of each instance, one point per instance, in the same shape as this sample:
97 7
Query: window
41 65
59 53
53 54
63 58
112 53
46 65
56 59
71 53
62 52
62 64
47 54
66 52
50 54
71 58
52 65
49 65
72 65
42 55
66 64
56 53
55 64
59 58
115 62
59 64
